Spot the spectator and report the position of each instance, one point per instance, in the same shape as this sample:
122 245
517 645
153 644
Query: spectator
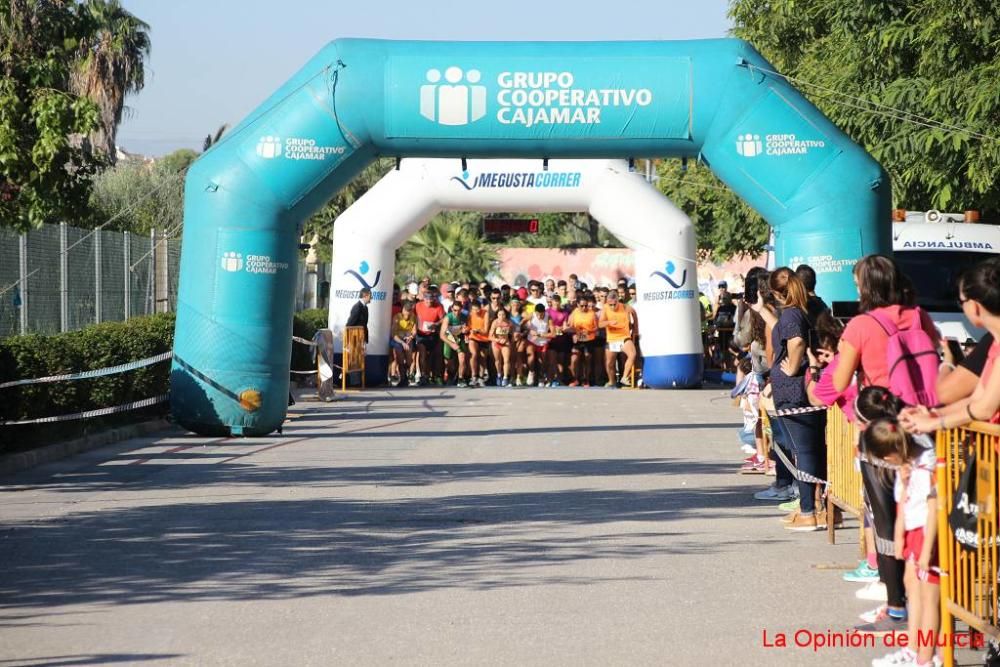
359 312
979 294
815 305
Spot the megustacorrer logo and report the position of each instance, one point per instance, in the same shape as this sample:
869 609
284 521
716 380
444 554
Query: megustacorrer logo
269 147
668 276
453 102
232 261
749 145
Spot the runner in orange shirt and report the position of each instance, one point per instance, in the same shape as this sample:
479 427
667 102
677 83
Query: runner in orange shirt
622 325
583 326
479 341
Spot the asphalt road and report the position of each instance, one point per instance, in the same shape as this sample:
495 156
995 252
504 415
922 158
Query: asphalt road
424 526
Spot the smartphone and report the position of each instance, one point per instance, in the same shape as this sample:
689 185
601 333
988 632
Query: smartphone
844 310
750 290
956 349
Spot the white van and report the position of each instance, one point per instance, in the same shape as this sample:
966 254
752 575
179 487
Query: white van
933 249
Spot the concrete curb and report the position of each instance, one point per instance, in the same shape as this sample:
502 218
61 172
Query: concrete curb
13 463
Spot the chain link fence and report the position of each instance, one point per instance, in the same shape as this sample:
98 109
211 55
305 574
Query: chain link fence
60 278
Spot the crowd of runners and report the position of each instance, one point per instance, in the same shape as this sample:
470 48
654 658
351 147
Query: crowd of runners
898 381
545 334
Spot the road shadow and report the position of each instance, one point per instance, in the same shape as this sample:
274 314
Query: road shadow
242 549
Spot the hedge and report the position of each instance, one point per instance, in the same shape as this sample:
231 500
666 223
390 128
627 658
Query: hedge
98 346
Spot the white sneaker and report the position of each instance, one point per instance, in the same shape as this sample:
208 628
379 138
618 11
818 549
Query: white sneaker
531 378
748 450
902 657
874 591
874 614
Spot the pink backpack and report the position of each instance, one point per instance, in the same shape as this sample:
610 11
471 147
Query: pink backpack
912 361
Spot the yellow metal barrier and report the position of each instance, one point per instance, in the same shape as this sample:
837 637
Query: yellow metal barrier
354 354
844 490
968 578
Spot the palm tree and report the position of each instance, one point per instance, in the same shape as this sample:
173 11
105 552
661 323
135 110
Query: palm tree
449 247
110 64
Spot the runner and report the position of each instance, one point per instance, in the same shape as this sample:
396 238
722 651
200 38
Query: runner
404 331
479 340
618 320
539 331
583 327
454 329
518 343
559 346
501 331
429 316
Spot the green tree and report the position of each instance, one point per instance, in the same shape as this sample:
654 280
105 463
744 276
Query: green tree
725 226
44 173
109 64
138 196
450 246
318 229
914 81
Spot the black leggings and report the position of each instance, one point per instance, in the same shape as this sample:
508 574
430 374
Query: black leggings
879 497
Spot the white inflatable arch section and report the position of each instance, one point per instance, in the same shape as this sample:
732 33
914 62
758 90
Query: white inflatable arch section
366 236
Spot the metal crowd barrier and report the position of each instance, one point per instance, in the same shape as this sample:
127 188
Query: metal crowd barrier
354 354
968 577
844 489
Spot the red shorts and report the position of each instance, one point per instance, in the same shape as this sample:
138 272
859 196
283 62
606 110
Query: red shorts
913 543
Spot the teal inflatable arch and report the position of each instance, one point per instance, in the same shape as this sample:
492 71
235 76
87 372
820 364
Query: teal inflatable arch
714 100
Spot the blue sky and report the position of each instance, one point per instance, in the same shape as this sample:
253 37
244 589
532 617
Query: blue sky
213 61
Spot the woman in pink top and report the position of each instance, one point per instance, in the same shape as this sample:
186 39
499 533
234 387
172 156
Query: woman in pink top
882 291
979 294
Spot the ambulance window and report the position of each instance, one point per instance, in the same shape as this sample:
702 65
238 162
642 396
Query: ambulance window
935 275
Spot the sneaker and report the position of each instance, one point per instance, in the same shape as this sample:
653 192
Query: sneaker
574 383
504 382
774 493
874 591
611 385
803 523
903 656
531 378
749 450
438 381
462 384
875 614
838 518
555 383
883 626
586 385
790 506
863 573
753 467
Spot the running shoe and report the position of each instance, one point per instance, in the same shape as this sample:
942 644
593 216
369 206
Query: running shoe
505 382
749 450
863 573
790 506
774 493
555 383
611 385
574 383
531 378
753 466
462 384
586 384
903 656
874 591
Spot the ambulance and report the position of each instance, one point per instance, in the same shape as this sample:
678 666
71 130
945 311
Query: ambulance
933 249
